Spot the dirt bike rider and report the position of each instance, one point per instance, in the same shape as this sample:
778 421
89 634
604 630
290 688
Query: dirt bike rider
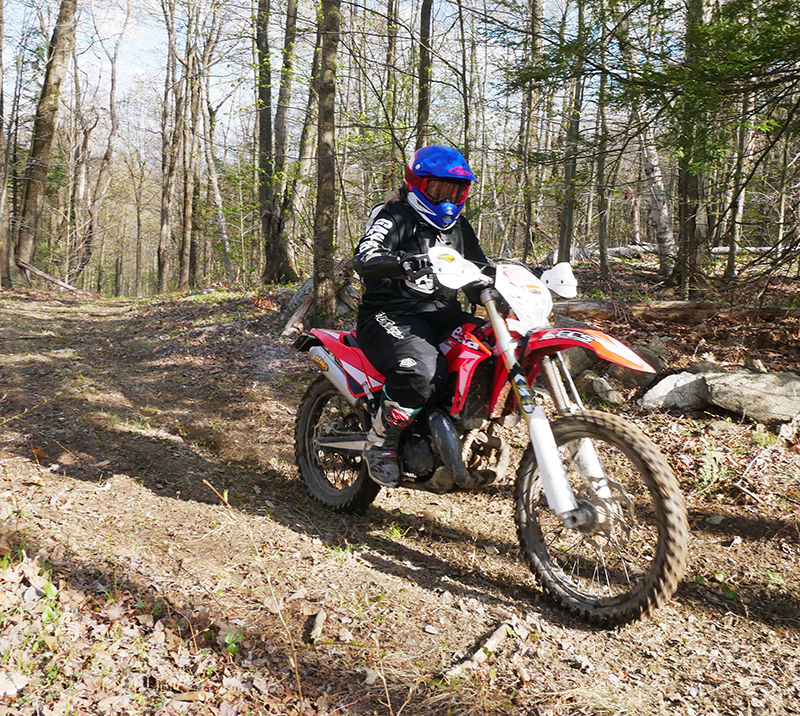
405 313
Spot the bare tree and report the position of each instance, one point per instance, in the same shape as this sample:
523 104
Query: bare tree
743 155
5 241
567 209
44 129
83 251
690 182
213 180
324 311
300 188
424 92
190 138
171 130
280 260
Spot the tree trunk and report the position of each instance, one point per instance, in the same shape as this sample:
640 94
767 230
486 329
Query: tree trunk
569 201
301 181
659 203
782 195
170 146
77 225
44 129
5 240
191 145
529 128
656 192
636 220
84 254
285 96
280 260
424 93
466 103
602 151
215 192
324 311
744 149
689 181
392 85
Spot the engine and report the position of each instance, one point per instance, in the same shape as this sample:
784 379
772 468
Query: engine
416 453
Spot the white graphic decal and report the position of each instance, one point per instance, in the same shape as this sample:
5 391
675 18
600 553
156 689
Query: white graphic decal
388 325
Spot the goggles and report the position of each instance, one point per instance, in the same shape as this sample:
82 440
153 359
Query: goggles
442 190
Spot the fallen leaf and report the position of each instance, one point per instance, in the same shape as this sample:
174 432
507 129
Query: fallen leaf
301 593
316 631
273 605
39 453
115 611
32 572
11 683
226 709
345 635
188 696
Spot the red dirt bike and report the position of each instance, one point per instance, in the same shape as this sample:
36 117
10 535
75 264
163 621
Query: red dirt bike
599 514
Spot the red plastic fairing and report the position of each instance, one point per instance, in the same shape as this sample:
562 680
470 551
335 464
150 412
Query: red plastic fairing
549 340
354 363
463 351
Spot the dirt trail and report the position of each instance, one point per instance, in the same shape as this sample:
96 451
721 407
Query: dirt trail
146 457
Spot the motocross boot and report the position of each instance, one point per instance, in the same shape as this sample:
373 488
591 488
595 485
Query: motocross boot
383 441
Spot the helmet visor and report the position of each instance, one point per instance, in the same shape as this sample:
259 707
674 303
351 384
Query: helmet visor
439 190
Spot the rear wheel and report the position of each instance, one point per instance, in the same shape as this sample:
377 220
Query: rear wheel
630 561
329 435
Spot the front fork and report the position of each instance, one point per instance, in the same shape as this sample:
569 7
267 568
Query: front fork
560 497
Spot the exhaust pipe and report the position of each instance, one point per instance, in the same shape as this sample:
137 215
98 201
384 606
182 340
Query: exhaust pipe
333 372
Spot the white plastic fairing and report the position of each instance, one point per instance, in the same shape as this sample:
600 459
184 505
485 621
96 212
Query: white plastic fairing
452 269
561 280
525 293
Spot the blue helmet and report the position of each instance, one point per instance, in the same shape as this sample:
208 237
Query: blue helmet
438 180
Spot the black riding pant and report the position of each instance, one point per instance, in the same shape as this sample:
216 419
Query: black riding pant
405 349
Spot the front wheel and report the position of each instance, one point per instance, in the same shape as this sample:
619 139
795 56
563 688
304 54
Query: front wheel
631 559
329 438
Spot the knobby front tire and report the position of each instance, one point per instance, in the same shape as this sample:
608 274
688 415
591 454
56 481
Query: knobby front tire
337 480
629 568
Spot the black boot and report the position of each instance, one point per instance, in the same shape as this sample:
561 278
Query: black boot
383 441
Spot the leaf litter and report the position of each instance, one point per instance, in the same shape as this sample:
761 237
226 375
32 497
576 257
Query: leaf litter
159 556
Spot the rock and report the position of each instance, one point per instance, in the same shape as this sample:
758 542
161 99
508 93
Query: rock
659 349
578 360
605 392
636 378
560 321
593 386
683 391
707 366
655 353
755 364
764 397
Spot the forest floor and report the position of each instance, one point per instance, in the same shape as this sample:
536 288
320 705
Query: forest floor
159 554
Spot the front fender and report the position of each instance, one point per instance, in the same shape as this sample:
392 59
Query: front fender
545 341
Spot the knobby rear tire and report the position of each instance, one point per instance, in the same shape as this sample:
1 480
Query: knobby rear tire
339 482
603 578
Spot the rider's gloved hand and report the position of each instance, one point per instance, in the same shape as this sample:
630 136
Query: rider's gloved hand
416 266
